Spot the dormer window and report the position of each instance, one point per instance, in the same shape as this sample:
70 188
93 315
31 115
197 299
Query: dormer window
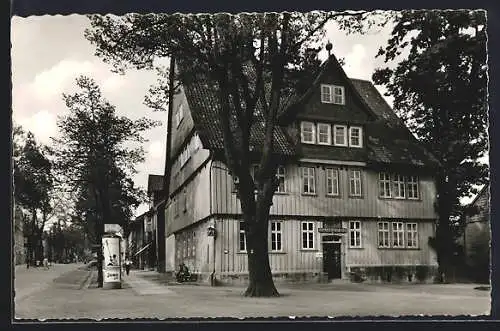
307 132
355 136
332 94
324 134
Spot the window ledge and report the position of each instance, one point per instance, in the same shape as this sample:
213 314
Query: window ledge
282 193
338 196
356 197
309 194
276 252
309 250
356 247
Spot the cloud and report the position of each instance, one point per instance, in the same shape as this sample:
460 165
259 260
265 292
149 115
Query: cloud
42 124
356 65
51 83
155 150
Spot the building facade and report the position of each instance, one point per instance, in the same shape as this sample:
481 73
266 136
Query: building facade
477 237
355 198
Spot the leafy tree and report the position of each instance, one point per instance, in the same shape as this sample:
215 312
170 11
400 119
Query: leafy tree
255 63
33 187
439 89
96 159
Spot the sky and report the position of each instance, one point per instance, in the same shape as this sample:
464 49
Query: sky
49 52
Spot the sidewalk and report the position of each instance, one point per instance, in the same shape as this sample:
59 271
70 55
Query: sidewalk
143 286
29 281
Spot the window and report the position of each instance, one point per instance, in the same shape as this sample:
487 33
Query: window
307 235
185 200
307 130
276 236
326 94
399 186
355 136
412 187
355 183
340 135
280 175
242 237
355 234
411 235
338 95
179 115
397 234
383 234
384 180
324 134
308 182
332 182
332 94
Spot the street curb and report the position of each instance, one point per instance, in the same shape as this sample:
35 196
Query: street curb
87 281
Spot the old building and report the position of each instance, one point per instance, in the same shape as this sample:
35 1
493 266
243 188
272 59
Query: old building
355 199
477 237
143 236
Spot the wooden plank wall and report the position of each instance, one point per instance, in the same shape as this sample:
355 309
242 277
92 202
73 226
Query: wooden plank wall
371 255
296 204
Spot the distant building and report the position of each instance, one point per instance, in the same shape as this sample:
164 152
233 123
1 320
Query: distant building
143 237
477 237
356 190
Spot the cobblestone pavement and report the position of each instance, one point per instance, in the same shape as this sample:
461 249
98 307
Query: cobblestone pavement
141 297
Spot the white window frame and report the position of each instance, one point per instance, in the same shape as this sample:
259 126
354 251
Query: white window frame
335 142
242 237
398 234
326 93
332 174
353 179
411 235
276 236
384 185
313 132
179 115
355 233
335 95
328 133
281 175
413 183
384 233
360 130
399 183
309 174
307 233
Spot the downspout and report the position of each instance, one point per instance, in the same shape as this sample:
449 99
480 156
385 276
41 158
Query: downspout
168 163
212 275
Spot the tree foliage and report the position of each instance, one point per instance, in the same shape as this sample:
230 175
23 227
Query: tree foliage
256 64
438 80
33 186
95 158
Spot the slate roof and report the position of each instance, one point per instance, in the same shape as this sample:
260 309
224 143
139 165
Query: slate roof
155 183
389 140
204 104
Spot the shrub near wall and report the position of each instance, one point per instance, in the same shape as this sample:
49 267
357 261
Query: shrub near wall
393 274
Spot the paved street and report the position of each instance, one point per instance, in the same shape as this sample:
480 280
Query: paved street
142 297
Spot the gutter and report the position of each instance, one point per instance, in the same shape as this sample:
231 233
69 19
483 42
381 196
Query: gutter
212 275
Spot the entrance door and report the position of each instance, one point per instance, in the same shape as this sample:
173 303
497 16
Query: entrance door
331 260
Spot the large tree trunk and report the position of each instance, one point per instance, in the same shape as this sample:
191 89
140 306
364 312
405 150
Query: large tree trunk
100 256
444 236
256 219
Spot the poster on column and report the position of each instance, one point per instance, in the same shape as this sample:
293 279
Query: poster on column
111 252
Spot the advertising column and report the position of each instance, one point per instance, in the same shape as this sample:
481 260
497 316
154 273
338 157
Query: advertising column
112 262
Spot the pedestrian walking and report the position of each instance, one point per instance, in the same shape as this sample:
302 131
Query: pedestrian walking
128 263
46 263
